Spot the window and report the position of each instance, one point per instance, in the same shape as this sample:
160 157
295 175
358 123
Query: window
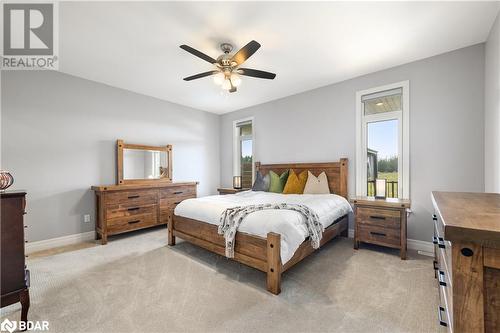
243 151
382 132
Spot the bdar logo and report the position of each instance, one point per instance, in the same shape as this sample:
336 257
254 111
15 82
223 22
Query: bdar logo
28 29
8 325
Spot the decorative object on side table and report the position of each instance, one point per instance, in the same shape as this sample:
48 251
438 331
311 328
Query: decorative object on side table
223 191
381 222
6 180
237 182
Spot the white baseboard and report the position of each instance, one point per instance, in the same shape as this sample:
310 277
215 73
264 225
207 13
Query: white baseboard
423 247
47 244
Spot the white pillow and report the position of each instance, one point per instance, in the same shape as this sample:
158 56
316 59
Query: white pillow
316 185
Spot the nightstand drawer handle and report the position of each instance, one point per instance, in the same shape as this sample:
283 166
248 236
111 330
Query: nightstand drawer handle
440 316
378 233
441 279
178 192
133 196
135 221
439 241
434 263
434 217
135 208
377 217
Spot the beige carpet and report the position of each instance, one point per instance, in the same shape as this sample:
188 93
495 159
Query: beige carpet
138 284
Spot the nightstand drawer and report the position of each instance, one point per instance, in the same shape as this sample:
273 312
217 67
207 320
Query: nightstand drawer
379 217
379 235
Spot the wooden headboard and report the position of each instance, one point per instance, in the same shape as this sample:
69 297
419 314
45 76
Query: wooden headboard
335 171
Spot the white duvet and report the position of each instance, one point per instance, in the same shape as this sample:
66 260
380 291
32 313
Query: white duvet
289 224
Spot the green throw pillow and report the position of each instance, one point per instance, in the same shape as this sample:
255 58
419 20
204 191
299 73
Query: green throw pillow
278 182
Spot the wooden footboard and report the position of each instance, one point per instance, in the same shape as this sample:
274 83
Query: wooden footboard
261 253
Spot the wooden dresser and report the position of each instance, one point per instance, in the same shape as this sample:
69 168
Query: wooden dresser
15 276
467 260
123 208
381 222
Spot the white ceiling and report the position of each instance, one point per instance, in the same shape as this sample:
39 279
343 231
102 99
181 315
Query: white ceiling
135 45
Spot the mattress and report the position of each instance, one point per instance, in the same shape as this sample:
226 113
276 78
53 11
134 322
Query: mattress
289 224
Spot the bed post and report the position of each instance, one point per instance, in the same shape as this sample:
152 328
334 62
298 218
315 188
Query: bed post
343 178
171 237
274 263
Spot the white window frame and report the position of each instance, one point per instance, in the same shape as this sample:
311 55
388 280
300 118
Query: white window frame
403 117
237 146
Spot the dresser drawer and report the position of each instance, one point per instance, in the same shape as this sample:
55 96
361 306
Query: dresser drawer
118 211
128 198
445 313
379 217
442 248
379 235
131 223
178 191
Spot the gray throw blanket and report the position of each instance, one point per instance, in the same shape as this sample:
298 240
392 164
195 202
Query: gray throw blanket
231 219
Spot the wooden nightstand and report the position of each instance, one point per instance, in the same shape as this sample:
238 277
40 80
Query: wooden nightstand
381 222
223 191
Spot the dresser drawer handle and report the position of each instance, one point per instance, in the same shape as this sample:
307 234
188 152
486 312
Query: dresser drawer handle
178 192
133 222
440 316
439 241
135 208
134 196
377 217
378 233
441 279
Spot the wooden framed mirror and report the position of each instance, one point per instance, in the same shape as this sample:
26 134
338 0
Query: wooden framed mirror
141 164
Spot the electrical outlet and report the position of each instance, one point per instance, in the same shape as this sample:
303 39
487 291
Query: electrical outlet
86 218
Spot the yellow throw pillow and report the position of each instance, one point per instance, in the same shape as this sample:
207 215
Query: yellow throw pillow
295 184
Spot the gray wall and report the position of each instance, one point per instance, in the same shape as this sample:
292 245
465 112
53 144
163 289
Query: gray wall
446 128
58 139
492 110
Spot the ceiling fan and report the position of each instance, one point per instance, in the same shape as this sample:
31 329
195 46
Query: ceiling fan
227 72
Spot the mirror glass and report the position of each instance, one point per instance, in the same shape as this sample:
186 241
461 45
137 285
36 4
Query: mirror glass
144 164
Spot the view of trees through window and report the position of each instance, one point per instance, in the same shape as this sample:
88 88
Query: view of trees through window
246 158
383 156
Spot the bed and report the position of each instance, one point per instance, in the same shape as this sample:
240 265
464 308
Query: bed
268 247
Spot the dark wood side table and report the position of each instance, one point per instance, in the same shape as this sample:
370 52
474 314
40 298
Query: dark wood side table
223 191
14 275
381 222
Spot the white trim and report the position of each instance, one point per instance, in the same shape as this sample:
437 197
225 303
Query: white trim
59 241
236 146
403 118
423 247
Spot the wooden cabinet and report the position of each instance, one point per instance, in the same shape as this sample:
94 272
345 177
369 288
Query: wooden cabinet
467 260
14 275
123 208
381 222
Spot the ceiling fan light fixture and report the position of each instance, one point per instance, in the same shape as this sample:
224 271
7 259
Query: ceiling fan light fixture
235 79
219 78
226 85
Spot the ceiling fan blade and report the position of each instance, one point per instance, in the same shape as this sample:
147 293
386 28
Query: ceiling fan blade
198 54
197 76
256 73
246 52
